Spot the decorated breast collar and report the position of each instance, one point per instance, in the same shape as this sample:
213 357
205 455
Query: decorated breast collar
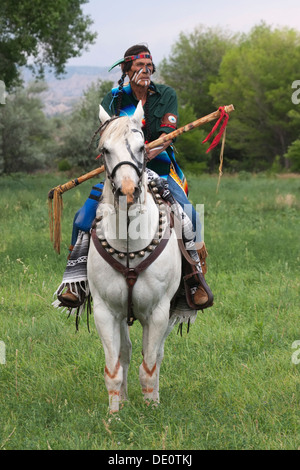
162 229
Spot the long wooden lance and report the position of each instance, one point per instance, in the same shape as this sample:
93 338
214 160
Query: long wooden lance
55 194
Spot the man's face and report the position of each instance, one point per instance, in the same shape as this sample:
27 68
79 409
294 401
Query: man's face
141 71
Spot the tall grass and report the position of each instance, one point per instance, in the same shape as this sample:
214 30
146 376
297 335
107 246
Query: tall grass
229 383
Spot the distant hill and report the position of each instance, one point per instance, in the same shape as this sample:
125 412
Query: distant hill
64 92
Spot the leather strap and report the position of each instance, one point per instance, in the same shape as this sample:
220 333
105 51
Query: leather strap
181 244
131 274
185 253
125 162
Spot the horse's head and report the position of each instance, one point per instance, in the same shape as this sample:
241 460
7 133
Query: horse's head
123 149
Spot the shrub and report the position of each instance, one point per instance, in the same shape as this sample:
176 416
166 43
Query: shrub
64 165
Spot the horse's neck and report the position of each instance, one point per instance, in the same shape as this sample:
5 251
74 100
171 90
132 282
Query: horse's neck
127 229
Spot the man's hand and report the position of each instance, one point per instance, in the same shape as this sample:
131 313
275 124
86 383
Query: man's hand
152 153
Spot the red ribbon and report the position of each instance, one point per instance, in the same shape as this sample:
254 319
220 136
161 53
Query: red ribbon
217 138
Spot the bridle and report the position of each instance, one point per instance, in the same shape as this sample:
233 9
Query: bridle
111 174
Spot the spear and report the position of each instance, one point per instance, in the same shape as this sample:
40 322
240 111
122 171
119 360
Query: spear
55 194
192 125
155 143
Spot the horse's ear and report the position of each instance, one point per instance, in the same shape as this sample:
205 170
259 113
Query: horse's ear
103 115
138 115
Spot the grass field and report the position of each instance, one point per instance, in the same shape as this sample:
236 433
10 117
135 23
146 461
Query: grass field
230 383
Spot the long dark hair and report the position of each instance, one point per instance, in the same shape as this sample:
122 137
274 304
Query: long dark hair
133 50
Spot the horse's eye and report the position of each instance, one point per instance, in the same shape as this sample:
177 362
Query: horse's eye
142 149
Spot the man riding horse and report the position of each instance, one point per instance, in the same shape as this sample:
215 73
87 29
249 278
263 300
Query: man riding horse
160 118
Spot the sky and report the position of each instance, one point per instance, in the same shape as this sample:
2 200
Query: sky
121 24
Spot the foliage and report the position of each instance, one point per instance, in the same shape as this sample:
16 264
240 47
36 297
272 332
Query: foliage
192 65
210 67
78 129
25 132
293 152
255 72
229 383
293 155
64 165
30 141
41 32
256 75
190 152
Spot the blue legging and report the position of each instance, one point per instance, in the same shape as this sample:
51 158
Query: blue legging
84 217
180 196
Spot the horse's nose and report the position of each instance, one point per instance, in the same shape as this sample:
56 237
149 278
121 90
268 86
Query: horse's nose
129 191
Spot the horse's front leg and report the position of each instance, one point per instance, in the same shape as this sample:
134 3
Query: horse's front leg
108 327
160 356
125 356
155 331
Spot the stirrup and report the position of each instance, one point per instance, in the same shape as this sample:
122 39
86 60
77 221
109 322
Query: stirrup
194 279
202 294
70 303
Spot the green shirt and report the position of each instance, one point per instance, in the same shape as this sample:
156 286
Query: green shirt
161 101
162 117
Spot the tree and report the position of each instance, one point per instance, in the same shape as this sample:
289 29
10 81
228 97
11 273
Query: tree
191 67
293 155
193 64
25 132
42 33
78 129
189 150
256 76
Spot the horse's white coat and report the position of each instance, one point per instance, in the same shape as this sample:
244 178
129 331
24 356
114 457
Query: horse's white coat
155 286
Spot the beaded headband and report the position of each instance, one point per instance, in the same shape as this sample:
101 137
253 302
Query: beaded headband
130 58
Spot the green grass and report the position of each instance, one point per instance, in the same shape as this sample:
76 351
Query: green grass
228 384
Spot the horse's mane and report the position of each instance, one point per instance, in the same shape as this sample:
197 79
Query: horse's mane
118 128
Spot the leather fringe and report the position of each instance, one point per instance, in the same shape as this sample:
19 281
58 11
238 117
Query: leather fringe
78 311
55 208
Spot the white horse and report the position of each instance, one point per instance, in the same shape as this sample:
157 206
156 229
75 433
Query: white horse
127 234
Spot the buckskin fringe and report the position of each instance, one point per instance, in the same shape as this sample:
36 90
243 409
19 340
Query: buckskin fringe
55 209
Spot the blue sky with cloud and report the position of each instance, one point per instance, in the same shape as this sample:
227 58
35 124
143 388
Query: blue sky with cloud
120 24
